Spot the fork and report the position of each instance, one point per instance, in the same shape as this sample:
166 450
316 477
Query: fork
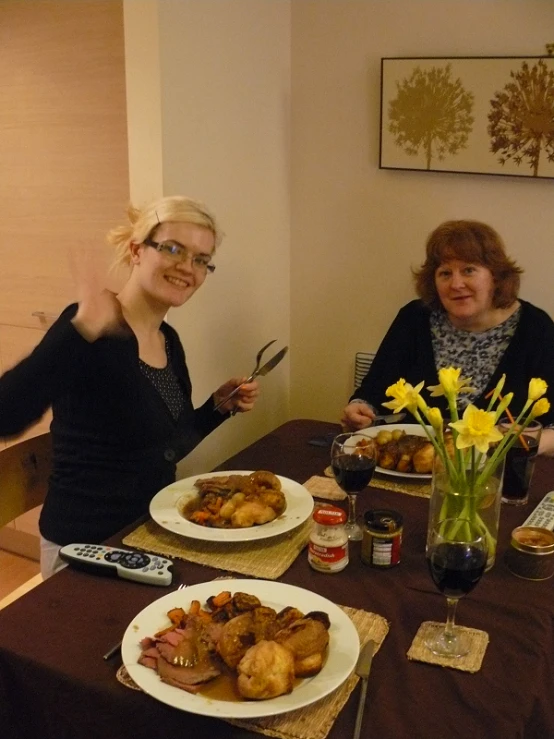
254 371
116 647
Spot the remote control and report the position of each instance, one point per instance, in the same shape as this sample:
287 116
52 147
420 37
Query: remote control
543 515
127 564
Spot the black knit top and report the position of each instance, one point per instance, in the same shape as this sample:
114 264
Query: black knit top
115 441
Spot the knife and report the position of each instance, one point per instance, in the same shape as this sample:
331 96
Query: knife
394 418
362 669
262 372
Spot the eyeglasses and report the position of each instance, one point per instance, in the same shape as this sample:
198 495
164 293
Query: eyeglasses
178 253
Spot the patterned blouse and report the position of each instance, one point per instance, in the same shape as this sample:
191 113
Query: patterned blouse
477 353
166 383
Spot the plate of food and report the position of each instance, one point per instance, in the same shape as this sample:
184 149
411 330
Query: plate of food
239 505
240 648
403 450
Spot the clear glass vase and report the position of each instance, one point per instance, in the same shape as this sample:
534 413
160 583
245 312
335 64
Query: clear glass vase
479 504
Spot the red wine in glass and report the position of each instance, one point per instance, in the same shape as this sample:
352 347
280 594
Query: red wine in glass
456 557
353 473
456 568
353 461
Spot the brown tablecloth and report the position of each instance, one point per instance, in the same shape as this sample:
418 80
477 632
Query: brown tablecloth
54 682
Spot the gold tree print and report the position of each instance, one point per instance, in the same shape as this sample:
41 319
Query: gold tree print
521 119
431 113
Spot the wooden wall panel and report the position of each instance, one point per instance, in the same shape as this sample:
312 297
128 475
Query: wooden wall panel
63 145
63 155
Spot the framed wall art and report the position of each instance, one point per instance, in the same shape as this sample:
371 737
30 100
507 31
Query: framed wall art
483 115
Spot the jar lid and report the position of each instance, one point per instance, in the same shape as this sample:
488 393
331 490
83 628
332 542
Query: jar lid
533 539
383 520
329 515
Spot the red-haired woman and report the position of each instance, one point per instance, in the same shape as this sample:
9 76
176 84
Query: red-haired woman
469 316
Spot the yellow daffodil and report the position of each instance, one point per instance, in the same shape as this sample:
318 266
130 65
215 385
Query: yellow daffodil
477 428
537 389
404 396
434 416
467 482
541 407
450 383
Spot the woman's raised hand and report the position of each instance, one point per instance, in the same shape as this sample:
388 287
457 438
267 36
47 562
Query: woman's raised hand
99 312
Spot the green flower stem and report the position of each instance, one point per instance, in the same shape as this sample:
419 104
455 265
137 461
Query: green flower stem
454 418
439 448
505 445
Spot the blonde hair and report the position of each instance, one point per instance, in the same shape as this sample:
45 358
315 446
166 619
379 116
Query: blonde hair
144 221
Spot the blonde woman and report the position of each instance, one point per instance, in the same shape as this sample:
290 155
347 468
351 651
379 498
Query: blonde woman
115 375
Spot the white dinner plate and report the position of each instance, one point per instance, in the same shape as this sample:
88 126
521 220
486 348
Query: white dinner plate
343 650
410 428
165 511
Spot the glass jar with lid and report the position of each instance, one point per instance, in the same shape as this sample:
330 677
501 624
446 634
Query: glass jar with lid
328 547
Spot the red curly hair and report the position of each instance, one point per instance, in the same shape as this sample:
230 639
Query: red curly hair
475 243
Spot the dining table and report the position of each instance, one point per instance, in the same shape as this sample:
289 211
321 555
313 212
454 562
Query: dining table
55 684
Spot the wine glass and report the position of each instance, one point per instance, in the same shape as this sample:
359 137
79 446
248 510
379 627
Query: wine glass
353 460
457 557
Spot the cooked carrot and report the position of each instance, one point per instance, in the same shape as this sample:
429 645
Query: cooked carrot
177 616
200 517
220 600
194 608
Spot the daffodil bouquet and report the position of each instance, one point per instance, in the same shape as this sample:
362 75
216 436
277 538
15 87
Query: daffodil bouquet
468 464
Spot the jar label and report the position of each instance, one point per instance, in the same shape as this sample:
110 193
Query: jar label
381 551
328 558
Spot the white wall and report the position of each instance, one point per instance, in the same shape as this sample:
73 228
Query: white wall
357 230
224 82
228 74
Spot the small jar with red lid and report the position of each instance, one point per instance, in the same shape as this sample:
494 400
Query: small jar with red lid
328 547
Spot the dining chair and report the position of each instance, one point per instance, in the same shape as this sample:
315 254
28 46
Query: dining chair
362 363
24 471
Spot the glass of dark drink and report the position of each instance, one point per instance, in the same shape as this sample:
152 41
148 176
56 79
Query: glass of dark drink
457 556
520 462
353 460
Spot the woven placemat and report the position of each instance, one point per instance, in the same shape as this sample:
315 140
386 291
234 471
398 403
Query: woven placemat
264 558
314 721
419 488
323 487
470 662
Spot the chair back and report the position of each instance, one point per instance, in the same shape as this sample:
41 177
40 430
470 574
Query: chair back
24 471
362 363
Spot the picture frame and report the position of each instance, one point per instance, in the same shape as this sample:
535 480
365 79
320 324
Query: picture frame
478 115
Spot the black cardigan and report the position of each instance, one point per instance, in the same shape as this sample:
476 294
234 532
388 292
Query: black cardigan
115 442
407 351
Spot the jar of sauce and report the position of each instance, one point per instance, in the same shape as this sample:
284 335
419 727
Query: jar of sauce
382 538
531 554
328 546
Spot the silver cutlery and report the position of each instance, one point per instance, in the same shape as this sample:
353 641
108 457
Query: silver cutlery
392 418
116 647
363 666
258 371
